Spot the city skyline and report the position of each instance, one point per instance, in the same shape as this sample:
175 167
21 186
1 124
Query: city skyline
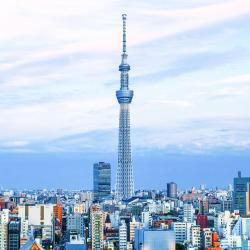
58 79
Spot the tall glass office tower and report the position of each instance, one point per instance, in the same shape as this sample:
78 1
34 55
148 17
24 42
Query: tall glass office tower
101 180
124 176
241 194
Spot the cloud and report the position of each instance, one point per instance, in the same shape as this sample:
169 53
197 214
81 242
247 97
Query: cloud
175 103
59 73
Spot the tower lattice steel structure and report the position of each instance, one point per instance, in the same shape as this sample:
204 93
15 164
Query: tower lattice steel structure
124 176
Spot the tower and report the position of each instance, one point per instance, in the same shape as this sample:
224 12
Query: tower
124 176
172 190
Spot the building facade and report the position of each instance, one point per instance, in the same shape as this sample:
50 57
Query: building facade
172 190
97 227
101 180
241 200
14 232
123 236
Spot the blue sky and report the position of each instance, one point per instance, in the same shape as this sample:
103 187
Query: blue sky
190 64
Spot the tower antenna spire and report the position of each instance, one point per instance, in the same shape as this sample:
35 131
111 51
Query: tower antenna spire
124 19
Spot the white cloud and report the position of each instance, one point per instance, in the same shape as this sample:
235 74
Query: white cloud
59 68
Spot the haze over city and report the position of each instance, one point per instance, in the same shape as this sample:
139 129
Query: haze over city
59 73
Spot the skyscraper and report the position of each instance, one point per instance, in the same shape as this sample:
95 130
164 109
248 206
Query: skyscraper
124 176
101 180
172 190
241 194
123 235
96 227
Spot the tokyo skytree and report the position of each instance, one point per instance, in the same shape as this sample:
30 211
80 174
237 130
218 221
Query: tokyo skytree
124 177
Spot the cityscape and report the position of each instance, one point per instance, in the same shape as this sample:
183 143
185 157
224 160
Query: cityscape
116 212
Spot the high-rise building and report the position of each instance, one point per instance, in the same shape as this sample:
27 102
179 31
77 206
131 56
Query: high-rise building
101 180
241 194
123 236
14 231
172 190
188 212
58 211
248 199
146 219
154 239
206 238
182 231
4 219
97 227
124 176
195 237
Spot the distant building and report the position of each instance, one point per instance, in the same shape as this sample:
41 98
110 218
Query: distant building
14 231
172 190
146 219
154 239
75 243
75 223
206 238
241 194
182 231
40 219
4 219
188 212
195 237
248 199
101 180
39 214
97 227
202 221
123 236
58 211
227 205
133 225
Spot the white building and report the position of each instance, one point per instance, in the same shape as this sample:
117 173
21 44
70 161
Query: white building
146 219
195 236
123 236
188 212
4 219
39 214
182 231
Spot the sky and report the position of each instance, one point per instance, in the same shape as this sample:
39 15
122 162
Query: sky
190 72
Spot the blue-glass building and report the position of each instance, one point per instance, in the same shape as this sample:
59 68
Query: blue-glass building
101 180
240 198
14 230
